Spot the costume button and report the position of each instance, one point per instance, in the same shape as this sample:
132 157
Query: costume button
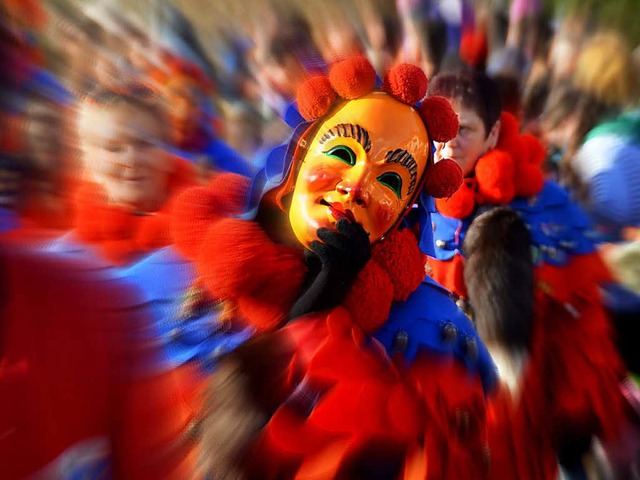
400 341
449 332
471 348
441 243
428 268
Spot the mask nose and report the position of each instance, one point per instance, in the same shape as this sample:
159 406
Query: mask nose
356 187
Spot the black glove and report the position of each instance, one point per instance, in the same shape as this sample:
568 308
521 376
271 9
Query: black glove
334 262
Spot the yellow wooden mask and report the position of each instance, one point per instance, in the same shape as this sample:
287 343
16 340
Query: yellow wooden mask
365 162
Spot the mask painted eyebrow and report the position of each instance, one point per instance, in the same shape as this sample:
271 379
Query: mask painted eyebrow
349 130
405 159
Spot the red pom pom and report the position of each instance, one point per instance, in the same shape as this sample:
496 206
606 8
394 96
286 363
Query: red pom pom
459 205
443 179
509 139
529 179
196 208
534 149
440 118
232 190
407 83
369 299
353 77
315 97
494 174
403 261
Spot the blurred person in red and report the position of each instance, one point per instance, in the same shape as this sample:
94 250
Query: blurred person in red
82 392
122 206
562 378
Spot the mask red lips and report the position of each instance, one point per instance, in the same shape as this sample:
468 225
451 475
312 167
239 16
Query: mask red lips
338 211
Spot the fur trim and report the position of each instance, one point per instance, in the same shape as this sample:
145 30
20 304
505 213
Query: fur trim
353 77
369 300
443 179
407 83
441 119
315 97
460 204
495 176
402 260
498 273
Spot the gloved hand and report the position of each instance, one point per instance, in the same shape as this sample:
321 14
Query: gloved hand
334 262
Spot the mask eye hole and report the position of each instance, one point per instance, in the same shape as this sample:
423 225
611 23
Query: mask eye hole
393 181
343 153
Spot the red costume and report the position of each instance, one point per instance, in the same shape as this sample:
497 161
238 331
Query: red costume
120 235
79 388
344 403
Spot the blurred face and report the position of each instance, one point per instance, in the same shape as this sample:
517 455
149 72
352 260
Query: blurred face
123 154
364 163
471 142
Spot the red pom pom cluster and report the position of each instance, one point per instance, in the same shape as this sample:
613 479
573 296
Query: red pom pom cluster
354 77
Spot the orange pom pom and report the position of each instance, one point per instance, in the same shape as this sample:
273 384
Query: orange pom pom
495 173
440 118
353 77
443 179
407 83
459 205
315 97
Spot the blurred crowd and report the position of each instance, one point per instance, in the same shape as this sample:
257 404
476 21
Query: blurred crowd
110 106
561 71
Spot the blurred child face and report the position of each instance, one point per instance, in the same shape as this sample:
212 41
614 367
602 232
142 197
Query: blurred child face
123 154
471 142
364 163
